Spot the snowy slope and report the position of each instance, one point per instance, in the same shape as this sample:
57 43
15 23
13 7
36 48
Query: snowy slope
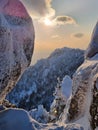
38 82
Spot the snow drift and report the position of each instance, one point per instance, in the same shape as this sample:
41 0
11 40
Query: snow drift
23 121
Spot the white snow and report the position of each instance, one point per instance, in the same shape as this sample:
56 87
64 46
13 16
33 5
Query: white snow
16 43
92 49
40 114
44 75
66 86
18 119
15 119
80 96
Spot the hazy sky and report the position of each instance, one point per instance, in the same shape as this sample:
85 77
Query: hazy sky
61 23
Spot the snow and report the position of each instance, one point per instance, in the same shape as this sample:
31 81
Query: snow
67 86
84 80
23 121
16 43
44 75
40 114
95 57
92 49
14 8
83 104
15 119
80 112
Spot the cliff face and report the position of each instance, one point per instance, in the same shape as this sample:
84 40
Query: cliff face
93 46
83 105
16 43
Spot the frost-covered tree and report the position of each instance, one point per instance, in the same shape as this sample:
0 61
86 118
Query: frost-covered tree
59 102
39 81
40 114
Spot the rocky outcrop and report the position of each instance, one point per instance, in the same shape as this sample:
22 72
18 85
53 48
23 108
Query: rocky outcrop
84 102
93 46
16 43
83 105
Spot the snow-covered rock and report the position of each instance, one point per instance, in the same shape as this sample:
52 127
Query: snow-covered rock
57 107
81 109
40 114
93 46
66 86
83 105
19 119
16 43
63 127
15 119
38 82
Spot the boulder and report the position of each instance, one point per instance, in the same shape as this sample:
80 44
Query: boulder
16 43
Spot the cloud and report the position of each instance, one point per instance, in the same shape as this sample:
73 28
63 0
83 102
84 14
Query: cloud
61 20
55 36
39 8
78 35
42 9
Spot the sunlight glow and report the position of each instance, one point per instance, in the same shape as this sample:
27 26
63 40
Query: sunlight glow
47 22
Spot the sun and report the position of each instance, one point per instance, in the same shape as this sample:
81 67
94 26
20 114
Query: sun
47 22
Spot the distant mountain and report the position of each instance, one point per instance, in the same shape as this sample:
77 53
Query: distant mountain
37 84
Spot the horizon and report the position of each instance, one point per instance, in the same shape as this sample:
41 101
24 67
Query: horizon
61 24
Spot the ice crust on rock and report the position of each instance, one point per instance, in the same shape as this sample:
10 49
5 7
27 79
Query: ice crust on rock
81 111
83 105
16 43
23 121
14 119
40 114
92 49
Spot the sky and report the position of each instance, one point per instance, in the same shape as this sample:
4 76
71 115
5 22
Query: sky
61 23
